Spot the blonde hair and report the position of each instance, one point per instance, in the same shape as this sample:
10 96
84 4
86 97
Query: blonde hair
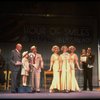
55 47
72 47
64 46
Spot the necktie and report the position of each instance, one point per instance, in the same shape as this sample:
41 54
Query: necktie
34 59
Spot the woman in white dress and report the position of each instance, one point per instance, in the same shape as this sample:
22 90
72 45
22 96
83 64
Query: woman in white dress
73 60
65 69
55 65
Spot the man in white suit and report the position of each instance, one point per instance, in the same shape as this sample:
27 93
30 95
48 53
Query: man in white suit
37 63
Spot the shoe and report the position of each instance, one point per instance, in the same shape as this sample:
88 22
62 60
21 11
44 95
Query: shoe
63 91
50 91
78 90
84 90
72 90
37 91
67 91
24 84
33 91
13 92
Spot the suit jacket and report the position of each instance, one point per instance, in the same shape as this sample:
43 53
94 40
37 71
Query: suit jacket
90 59
38 62
15 56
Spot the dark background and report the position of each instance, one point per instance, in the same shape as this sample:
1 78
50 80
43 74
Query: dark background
46 23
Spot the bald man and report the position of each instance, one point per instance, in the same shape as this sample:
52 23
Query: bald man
16 67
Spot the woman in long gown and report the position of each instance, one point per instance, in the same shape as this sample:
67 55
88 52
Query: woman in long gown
55 65
73 60
65 70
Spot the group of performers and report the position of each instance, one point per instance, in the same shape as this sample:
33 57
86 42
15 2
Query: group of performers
63 65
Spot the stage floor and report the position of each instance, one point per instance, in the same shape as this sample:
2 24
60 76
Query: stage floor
45 94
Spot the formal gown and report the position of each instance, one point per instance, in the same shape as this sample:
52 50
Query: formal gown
74 84
65 74
56 74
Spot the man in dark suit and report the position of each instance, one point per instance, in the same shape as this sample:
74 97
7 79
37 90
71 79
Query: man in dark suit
16 68
88 70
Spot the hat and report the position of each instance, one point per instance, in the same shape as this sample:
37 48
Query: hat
33 47
24 53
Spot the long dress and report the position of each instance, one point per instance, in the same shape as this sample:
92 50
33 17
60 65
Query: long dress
56 74
74 84
65 75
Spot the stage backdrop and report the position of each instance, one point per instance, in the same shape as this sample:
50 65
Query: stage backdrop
46 31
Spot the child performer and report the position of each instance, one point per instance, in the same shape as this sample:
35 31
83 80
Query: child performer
25 68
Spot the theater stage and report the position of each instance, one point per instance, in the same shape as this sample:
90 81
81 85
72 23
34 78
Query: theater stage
45 94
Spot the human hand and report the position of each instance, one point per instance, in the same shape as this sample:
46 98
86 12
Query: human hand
18 63
28 69
49 69
80 69
59 70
